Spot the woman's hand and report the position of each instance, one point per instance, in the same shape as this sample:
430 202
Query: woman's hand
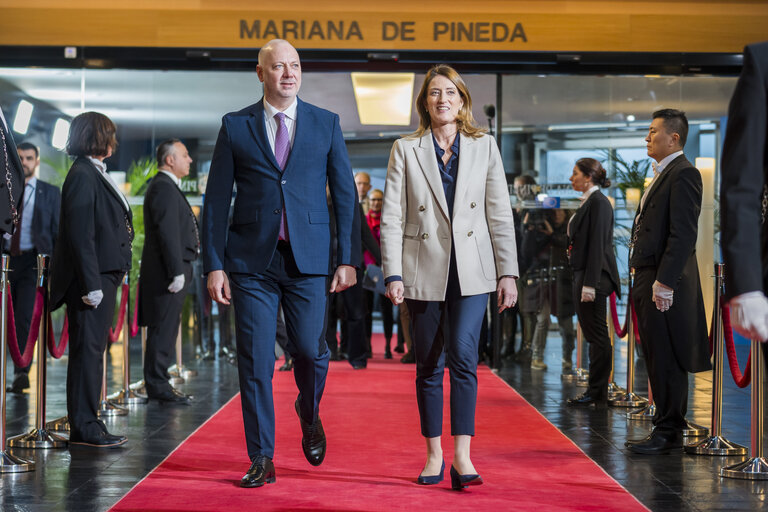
395 291
506 293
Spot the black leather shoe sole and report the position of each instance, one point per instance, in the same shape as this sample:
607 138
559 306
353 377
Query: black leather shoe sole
106 442
308 444
259 474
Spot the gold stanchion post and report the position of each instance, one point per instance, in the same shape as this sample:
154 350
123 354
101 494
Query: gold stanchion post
614 389
127 396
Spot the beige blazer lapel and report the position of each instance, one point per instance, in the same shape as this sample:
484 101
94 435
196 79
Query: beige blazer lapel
468 158
425 155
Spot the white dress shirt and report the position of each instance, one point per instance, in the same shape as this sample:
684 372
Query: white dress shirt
173 177
271 122
28 215
102 167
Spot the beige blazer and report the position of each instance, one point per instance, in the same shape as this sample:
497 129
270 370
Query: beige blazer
417 233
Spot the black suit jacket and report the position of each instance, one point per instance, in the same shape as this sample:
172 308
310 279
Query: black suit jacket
667 228
45 221
17 179
170 244
95 233
744 177
591 243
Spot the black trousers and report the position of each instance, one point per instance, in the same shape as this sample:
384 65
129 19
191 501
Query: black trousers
161 341
88 329
669 381
594 326
23 279
354 312
387 316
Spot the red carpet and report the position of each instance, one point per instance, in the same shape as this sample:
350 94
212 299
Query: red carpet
375 452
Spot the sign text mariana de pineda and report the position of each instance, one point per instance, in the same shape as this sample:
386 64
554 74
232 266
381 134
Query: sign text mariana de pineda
346 30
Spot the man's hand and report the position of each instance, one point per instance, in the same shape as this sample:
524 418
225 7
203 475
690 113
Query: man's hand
218 287
345 276
177 284
506 293
662 296
395 291
93 298
587 294
749 315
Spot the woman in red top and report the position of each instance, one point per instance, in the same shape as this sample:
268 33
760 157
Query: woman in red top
376 198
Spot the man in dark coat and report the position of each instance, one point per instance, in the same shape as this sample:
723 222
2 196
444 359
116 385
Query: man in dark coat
744 196
171 245
37 232
667 290
12 181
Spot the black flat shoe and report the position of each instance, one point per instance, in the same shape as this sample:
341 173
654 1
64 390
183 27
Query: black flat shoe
399 349
432 480
584 400
657 444
20 383
262 471
459 482
100 440
313 439
171 397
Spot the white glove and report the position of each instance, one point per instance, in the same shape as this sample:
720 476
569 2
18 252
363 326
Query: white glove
587 294
177 284
749 315
662 296
93 298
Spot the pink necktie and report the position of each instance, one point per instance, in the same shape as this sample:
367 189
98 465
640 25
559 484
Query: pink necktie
282 149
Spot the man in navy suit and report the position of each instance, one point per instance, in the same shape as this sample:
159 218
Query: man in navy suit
281 153
37 235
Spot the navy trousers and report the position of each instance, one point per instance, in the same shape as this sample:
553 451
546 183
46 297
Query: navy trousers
255 298
447 331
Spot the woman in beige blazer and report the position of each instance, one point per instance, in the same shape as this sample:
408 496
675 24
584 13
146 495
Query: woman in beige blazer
447 240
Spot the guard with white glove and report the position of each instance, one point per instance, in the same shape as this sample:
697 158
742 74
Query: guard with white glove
587 294
749 315
177 284
93 298
662 296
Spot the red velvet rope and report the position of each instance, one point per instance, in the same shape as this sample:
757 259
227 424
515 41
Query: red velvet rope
618 329
741 380
114 335
19 359
634 320
57 350
135 322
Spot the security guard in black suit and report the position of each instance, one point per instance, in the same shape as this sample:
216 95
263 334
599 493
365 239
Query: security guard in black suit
171 245
37 232
11 178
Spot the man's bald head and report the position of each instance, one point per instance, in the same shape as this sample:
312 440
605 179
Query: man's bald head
279 70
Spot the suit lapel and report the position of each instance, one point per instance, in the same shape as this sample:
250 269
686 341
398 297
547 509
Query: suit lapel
581 213
259 132
300 133
425 155
467 157
661 179
110 189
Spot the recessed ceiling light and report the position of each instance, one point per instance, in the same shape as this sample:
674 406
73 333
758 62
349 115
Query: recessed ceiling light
23 117
60 133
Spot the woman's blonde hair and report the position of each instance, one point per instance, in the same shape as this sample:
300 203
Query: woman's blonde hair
464 119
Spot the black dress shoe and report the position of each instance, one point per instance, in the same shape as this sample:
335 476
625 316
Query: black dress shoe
313 439
100 440
359 366
20 383
171 397
287 366
585 399
399 349
262 471
408 358
657 444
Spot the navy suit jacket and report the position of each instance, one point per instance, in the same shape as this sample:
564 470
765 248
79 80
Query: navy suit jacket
243 157
45 222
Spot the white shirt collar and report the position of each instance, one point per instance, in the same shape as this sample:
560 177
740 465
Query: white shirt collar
176 180
666 160
289 112
101 166
2 118
588 193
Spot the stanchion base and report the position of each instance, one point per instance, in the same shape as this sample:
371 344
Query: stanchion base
13 464
139 387
755 468
645 414
628 400
187 372
568 376
175 380
129 397
39 439
715 445
58 425
695 430
615 390
108 409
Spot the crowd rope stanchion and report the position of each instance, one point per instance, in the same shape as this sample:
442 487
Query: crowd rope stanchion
9 463
107 409
127 396
629 399
646 413
579 376
178 372
614 389
57 350
756 466
39 437
139 386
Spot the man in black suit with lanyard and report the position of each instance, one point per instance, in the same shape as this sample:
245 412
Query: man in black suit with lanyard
170 247
667 291
11 179
39 225
744 196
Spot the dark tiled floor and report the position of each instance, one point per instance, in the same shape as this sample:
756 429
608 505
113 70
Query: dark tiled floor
86 480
